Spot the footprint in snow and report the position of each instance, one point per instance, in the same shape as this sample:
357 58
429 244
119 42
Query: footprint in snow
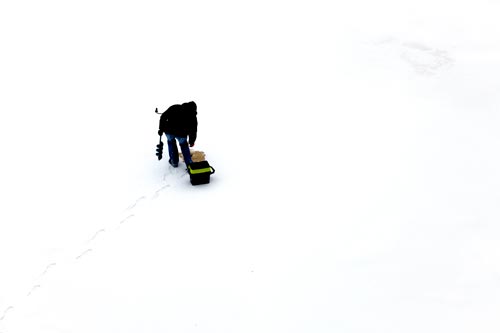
33 289
126 219
83 253
5 312
132 206
424 60
157 192
49 266
95 235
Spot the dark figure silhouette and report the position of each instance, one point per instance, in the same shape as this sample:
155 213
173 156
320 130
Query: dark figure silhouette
179 122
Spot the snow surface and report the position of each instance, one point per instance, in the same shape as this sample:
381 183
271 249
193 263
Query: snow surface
356 154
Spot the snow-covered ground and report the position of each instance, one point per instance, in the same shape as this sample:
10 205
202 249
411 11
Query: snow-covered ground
356 154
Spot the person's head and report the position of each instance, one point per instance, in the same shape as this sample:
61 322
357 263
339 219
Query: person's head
190 106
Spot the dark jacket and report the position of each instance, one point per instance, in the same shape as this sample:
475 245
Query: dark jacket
180 120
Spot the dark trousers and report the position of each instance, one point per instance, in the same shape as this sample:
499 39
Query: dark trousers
173 153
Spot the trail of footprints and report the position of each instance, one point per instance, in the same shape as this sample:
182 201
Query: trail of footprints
87 251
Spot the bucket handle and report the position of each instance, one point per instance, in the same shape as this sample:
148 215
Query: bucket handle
213 170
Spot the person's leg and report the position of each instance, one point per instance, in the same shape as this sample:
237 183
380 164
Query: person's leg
186 153
173 153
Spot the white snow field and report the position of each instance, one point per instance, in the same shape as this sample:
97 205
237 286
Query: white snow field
355 145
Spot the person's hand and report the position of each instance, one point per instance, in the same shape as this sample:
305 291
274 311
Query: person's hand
191 144
160 133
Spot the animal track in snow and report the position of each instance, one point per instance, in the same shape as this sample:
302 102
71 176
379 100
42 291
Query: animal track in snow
423 59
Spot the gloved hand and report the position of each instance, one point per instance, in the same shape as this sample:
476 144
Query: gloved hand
191 144
160 132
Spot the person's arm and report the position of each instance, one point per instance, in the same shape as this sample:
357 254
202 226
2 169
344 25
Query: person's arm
163 121
193 131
